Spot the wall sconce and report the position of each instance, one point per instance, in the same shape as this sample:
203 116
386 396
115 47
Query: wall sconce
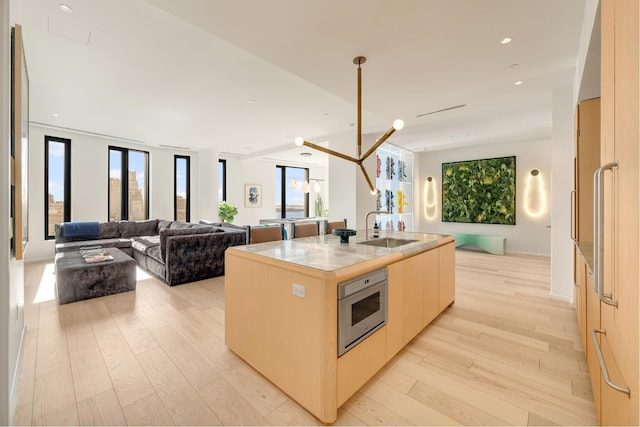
430 199
535 196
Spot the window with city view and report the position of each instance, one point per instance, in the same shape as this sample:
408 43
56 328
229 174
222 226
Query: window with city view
289 182
182 187
222 180
57 175
128 184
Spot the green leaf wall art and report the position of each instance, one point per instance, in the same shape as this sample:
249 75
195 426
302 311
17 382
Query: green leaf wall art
480 191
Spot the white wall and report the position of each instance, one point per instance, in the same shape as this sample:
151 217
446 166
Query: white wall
562 170
586 84
11 270
365 201
342 180
207 205
89 183
530 234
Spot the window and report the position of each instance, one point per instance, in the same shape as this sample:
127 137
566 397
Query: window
128 184
222 180
289 182
57 181
182 188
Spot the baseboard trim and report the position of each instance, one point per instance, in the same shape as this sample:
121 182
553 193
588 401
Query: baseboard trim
13 391
482 251
564 298
47 259
527 253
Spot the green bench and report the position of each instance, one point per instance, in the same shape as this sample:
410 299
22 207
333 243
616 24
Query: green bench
492 244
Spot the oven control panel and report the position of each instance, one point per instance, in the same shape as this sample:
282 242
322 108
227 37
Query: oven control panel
356 284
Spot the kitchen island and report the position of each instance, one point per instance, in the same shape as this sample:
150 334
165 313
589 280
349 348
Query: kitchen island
281 309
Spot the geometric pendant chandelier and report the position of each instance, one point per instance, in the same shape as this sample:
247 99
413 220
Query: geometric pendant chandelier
397 125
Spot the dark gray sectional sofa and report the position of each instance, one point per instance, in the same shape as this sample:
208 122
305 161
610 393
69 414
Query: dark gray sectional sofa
176 252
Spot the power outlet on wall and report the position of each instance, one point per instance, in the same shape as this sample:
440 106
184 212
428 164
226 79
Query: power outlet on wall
299 290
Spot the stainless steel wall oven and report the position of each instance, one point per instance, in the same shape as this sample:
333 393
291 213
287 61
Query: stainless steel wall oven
362 308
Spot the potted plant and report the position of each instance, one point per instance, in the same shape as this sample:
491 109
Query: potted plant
319 208
226 211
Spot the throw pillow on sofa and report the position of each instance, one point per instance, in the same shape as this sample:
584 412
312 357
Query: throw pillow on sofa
162 224
176 225
109 230
164 234
138 228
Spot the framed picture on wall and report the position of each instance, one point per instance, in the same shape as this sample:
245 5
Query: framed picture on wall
252 196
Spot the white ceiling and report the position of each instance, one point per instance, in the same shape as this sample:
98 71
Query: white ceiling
247 76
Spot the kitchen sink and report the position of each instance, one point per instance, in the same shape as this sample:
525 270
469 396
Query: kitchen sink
388 242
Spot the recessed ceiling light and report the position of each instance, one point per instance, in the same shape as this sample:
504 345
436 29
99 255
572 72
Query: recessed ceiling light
325 115
65 8
305 154
518 83
252 101
514 66
506 40
55 114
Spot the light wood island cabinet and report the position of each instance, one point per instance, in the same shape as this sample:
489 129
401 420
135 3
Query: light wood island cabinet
290 336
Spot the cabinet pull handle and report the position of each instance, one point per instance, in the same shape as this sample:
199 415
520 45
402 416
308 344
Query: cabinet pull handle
573 215
597 233
603 367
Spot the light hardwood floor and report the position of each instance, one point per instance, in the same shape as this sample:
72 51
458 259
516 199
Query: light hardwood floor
504 354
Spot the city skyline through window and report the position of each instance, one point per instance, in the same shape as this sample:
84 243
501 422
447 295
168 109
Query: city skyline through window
57 183
222 180
128 196
182 203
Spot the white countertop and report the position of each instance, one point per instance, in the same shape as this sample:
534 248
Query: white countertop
326 253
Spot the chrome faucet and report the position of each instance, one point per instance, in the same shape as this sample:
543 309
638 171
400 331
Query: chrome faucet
366 222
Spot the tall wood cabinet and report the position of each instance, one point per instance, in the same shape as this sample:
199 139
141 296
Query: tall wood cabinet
586 161
617 337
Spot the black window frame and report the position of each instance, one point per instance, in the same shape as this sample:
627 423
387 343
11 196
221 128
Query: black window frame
283 190
223 162
67 181
177 157
124 182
